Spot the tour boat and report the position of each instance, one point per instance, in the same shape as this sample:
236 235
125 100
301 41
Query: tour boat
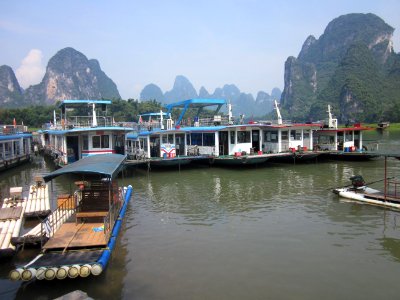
343 143
80 235
217 139
15 145
69 138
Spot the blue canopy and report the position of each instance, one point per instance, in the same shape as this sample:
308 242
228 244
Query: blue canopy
106 165
76 102
195 103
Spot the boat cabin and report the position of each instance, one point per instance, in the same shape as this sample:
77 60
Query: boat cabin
72 137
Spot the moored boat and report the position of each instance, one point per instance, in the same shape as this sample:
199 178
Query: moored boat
69 138
80 235
15 145
360 191
217 139
343 143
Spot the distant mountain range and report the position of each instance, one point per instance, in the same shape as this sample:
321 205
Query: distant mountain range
70 75
352 66
242 103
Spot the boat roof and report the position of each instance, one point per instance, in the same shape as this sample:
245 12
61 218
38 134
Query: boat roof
83 129
14 136
199 104
196 103
154 114
76 102
345 129
106 165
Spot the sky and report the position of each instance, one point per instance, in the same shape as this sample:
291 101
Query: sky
210 42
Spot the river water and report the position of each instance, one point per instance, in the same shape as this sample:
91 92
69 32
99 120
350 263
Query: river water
271 232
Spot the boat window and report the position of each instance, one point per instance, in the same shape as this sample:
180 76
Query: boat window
271 136
85 140
284 135
105 141
348 136
96 141
232 137
196 139
170 138
144 143
188 139
208 139
295 135
243 137
306 135
164 139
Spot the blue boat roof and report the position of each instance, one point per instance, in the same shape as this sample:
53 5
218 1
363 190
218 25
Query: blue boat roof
14 136
154 114
106 165
80 129
196 103
199 104
70 102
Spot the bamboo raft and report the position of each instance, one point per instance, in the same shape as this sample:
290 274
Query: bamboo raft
38 204
11 215
39 234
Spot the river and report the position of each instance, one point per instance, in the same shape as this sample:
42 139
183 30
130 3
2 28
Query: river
270 232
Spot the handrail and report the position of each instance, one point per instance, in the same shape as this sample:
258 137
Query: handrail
54 221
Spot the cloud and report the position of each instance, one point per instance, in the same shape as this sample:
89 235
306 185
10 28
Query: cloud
31 70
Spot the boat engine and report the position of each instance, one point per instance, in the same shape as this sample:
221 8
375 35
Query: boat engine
357 181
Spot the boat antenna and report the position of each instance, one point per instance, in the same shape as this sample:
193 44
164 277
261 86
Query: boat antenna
332 123
278 112
161 120
229 106
94 123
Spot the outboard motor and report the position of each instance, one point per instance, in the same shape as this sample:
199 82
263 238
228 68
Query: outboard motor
357 181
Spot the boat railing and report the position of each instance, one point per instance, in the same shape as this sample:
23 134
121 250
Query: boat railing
81 122
59 216
11 129
393 188
211 121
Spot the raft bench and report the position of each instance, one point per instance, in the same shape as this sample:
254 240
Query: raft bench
94 205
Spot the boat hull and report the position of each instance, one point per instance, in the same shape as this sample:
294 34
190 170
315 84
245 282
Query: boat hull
367 195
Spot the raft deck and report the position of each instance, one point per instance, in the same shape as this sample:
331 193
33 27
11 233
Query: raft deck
38 204
11 214
77 235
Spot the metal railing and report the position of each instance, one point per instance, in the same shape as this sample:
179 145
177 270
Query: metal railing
58 217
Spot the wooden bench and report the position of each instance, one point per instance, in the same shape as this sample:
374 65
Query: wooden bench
90 214
94 205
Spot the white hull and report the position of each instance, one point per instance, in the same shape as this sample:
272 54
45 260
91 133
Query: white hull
360 195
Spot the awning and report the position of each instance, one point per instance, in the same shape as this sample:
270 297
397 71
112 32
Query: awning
106 165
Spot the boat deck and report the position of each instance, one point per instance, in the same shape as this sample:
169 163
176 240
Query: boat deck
381 196
77 235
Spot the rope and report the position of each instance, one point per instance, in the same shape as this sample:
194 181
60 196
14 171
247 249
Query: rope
65 249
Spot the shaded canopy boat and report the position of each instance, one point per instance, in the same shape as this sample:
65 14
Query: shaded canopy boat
79 236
